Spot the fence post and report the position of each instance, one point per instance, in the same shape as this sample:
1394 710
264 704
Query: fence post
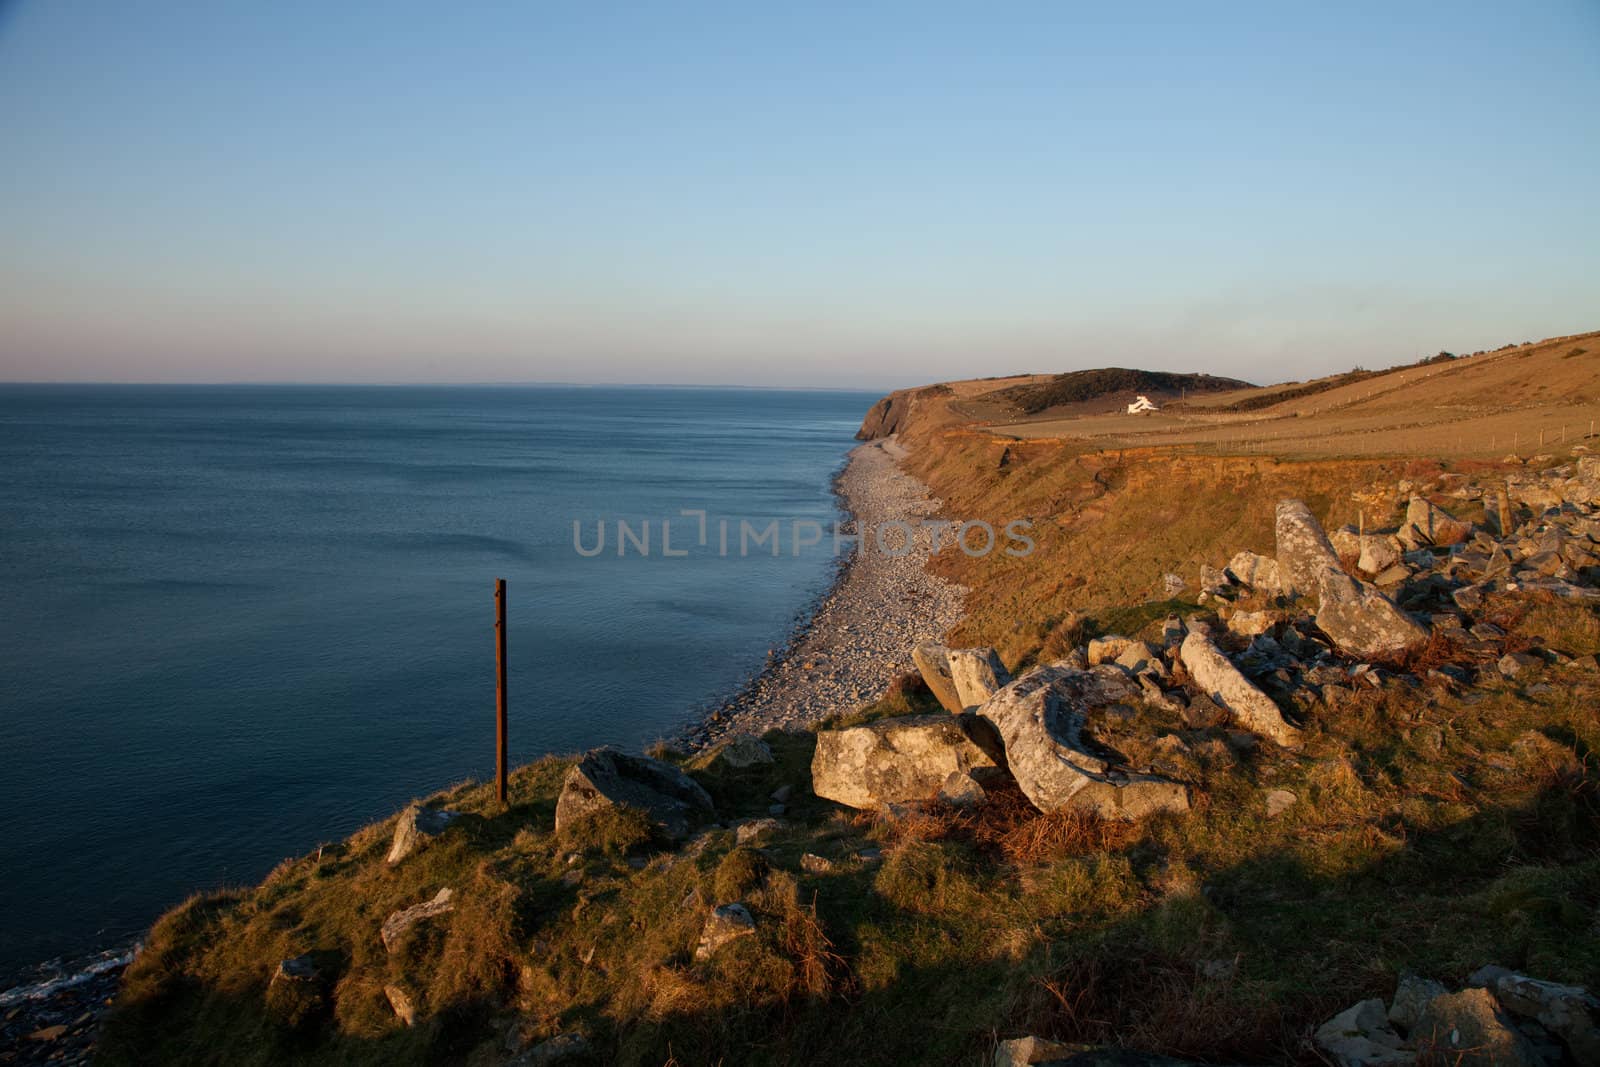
500 690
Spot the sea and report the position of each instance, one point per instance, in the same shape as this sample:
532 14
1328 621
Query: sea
240 621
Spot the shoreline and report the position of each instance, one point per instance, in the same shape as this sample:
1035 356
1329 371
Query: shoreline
858 634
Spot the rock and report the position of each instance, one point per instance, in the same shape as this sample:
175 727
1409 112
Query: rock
978 674
606 778
395 926
755 829
1251 623
298 992
1346 541
1221 681
1258 572
1427 524
415 827
933 663
726 923
1362 621
902 760
741 752
961 790
1139 657
1411 996
1106 649
1172 584
1515 664
812 863
49 1033
1468 597
1392 577
1304 552
563 1048
1040 717
405 1009
782 794
1214 581
1569 1012
1026 1051
1362 1037
1279 801
1470 1029
1378 554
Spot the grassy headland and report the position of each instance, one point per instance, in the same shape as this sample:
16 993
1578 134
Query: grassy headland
1435 828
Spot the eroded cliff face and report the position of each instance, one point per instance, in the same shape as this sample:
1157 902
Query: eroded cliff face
893 414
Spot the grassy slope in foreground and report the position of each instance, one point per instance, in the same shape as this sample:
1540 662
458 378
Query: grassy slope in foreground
1434 832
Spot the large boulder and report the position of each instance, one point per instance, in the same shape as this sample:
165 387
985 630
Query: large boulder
978 674
1303 549
933 663
1041 718
606 779
1361 620
1220 680
1428 524
903 760
1470 1029
415 827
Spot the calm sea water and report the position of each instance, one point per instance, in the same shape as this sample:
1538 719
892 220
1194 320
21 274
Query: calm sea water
236 622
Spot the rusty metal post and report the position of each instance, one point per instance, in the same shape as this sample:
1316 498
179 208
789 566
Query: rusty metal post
500 689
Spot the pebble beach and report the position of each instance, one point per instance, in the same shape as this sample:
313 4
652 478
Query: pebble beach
863 629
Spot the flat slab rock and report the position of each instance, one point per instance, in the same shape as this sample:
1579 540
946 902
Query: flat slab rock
606 778
1304 551
1041 719
902 760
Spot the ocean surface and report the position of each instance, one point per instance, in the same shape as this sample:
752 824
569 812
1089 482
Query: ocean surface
236 622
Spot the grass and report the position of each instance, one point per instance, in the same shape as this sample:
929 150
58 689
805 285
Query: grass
1431 835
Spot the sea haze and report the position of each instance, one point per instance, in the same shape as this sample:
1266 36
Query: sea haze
239 621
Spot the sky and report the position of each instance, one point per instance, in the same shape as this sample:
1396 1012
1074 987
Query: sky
854 195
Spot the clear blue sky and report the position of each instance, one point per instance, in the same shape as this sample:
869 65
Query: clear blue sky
847 195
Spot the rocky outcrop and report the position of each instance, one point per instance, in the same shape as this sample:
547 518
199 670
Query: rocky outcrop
902 760
1361 620
893 413
1304 551
1041 719
1223 683
977 674
415 827
606 778
933 663
399 923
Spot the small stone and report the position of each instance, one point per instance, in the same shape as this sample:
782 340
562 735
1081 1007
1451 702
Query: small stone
782 794
1026 1051
405 1009
727 923
417 824
755 829
812 863
1515 664
1279 801
49 1033
961 790
396 925
562 1048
